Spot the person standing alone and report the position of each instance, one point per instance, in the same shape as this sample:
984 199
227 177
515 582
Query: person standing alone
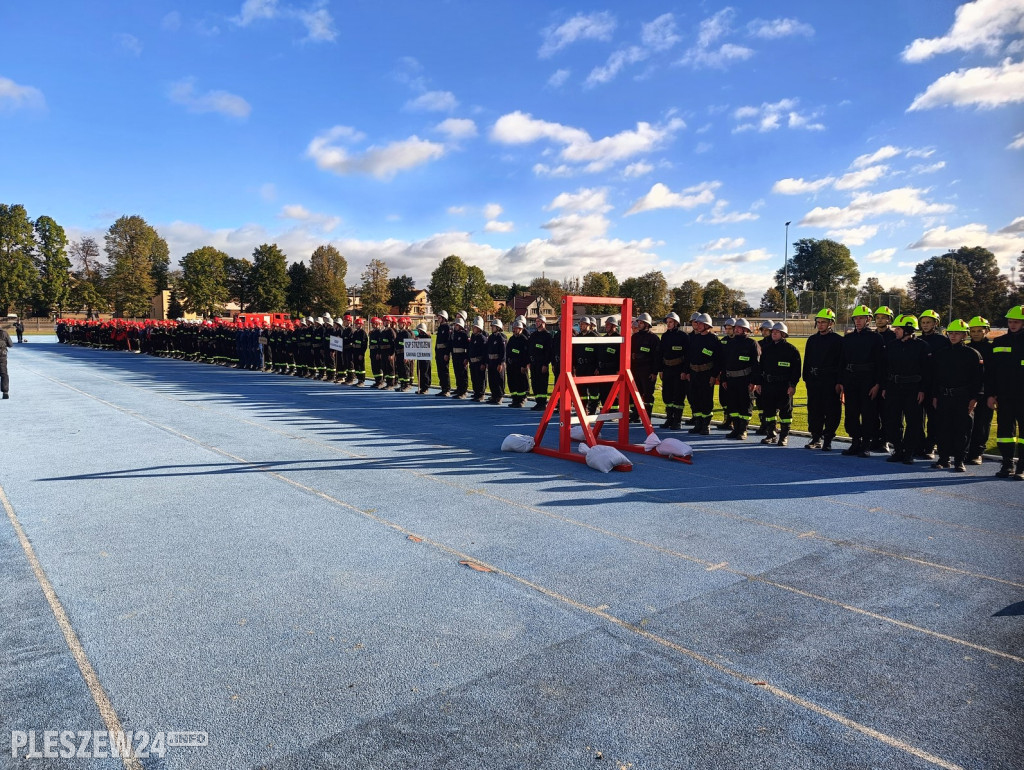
5 342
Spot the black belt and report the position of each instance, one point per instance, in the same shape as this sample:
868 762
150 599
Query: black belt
673 362
820 370
905 379
954 392
860 368
458 350
737 373
475 360
775 378
494 356
700 367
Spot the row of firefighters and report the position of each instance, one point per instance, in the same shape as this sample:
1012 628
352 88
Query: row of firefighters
908 390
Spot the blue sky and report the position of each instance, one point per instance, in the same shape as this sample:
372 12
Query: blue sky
523 136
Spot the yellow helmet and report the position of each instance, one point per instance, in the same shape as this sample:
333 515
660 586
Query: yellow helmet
1016 313
862 310
957 325
931 314
978 321
827 314
905 321
884 310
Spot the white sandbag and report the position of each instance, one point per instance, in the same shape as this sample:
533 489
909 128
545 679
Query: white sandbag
582 448
673 447
576 433
604 458
517 442
651 442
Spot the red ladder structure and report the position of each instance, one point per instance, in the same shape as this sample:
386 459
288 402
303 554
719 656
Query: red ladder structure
566 396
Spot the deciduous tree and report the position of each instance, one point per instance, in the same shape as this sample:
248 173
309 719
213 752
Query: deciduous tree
54 265
687 299
130 242
446 290
297 296
939 279
238 280
204 281
649 293
821 265
475 291
374 292
18 274
401 292
327 290
270 279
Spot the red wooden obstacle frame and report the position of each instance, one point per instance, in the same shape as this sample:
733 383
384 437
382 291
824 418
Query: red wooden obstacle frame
566 395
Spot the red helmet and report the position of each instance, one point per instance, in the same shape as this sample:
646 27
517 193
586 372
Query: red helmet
348 317
360 321
406 319
375 320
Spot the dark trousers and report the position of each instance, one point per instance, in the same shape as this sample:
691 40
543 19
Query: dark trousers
376 364
423 375
478 373
1009 425
701 395
645 384
403 369
460 364
518 383
954 423
776 401
903 416
738 401
496 380
357 362
673 390
443 375
824 409
861 411
539 382
5 381
981 429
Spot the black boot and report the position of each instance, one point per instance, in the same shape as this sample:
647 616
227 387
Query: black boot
1019 474
784 436
739 432
853 449
769 433
826 444
814 443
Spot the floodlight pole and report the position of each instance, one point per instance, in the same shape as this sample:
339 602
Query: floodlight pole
785 275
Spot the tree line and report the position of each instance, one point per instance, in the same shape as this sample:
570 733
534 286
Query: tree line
41 273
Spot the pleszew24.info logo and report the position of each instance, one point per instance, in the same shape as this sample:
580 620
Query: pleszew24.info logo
100 744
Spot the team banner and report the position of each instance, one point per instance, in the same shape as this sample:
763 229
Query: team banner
337 343
417 350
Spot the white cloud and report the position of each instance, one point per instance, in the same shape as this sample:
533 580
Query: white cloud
593 26
880 255
457 128
929 169
865 177
579 147
719 216
129 44
660 34
702 147
883 153
983 87
790 186
253 10
1017 143
171 22
1006 243
325 222
499 227
722 244
661 197
655 36
711 30
268 191
925 152
777 28
557 80
769 117
983 24
381 162
318 22
560 171
638 169
584 199
903 200
615 63
183 93
854 236
14 96
492 211
433 101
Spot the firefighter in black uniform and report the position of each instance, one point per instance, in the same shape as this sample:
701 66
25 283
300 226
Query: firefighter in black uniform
979 329
608 355
780 373
1004 384
936 341
387 346
907 369
5 382
765 328
673 372
822 356
376 358
496 362
478 360
346 350
540 359
585 363
883 322
443 352
729 327
957 381
556 349
460 357
359 342
517 361
645 359
403 368
741 373
702 366
422 366
860 382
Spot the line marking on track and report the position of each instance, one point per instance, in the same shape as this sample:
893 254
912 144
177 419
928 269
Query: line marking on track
481 565
92 680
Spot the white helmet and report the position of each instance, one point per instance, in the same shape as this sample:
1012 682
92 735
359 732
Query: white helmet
729 322
320 319
517 324
327 317
781 327
441 314
497 322
421 327
768 325
704 318
459 321
478 322
673 316
541 320
646 318
611 320
309 319
694 317
743 323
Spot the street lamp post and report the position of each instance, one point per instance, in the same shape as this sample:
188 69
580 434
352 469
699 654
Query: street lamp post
785 276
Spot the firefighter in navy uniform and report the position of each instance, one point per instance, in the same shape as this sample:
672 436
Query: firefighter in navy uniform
540 345
780 373
1004 384
585 363
958 384
883 322
860 382
703 363
376 359
387 345
907 369
729 327
741 374
822 355
673 372
347 331
979 328
359 342
460 357
645 360
5 382
765 328
496 344
608 355
936 341
517 362
478 360
443 352
403 368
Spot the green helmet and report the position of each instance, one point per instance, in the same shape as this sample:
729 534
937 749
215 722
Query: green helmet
862 310
957 325
906 321
978 321
1016 313
884 310
931 314
827 314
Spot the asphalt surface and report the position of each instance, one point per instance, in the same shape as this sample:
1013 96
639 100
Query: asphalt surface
319 576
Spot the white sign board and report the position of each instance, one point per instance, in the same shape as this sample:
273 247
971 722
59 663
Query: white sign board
418 350
337 343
